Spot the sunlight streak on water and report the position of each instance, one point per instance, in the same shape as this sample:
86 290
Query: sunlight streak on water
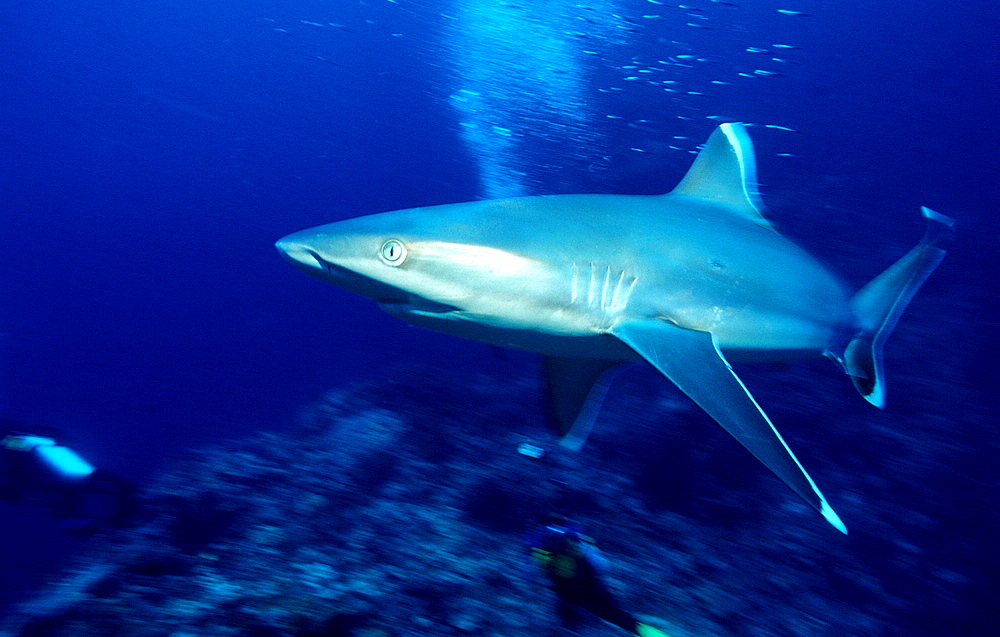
520 74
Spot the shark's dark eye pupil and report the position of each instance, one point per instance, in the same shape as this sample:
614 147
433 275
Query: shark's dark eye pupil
393 252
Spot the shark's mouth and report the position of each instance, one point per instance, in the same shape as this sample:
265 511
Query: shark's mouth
391 300
412 304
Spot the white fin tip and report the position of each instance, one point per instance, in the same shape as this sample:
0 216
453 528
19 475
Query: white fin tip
832 517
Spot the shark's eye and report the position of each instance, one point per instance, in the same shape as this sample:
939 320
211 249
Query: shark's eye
393 252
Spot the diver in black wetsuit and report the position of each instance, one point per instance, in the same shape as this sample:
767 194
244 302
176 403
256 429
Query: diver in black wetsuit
36 470
574 566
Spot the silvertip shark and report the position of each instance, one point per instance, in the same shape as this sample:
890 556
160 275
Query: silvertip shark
689 281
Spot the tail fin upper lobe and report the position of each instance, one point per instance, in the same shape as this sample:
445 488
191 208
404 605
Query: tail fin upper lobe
879 305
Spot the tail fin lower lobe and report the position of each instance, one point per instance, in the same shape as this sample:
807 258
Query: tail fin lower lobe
879 305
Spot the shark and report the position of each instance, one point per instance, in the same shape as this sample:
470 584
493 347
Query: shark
690 281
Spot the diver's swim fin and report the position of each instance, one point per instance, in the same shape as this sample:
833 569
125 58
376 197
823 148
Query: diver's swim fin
645 630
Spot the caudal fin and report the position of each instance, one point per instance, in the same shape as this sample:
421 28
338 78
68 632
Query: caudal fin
879 305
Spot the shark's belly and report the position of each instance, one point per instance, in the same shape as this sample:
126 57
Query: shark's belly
549 340
791 341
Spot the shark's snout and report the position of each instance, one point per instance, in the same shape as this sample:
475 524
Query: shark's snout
306 252
301 255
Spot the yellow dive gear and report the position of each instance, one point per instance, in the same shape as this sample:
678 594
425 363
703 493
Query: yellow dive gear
645 630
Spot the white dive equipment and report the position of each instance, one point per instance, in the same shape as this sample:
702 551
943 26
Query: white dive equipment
62 462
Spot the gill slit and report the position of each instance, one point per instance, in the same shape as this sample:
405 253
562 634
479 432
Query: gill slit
604 290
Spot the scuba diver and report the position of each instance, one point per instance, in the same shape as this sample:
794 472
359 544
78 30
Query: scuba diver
575 567
36 470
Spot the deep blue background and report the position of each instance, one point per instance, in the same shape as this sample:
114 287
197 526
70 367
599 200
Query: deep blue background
151 153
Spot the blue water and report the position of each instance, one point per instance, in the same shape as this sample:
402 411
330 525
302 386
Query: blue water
151 153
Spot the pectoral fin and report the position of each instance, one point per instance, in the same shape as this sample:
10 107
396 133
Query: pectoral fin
577 387
693 362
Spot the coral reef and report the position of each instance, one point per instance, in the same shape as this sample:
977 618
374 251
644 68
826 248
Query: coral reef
398 507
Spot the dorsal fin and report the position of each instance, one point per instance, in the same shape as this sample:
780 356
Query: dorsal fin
725 172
